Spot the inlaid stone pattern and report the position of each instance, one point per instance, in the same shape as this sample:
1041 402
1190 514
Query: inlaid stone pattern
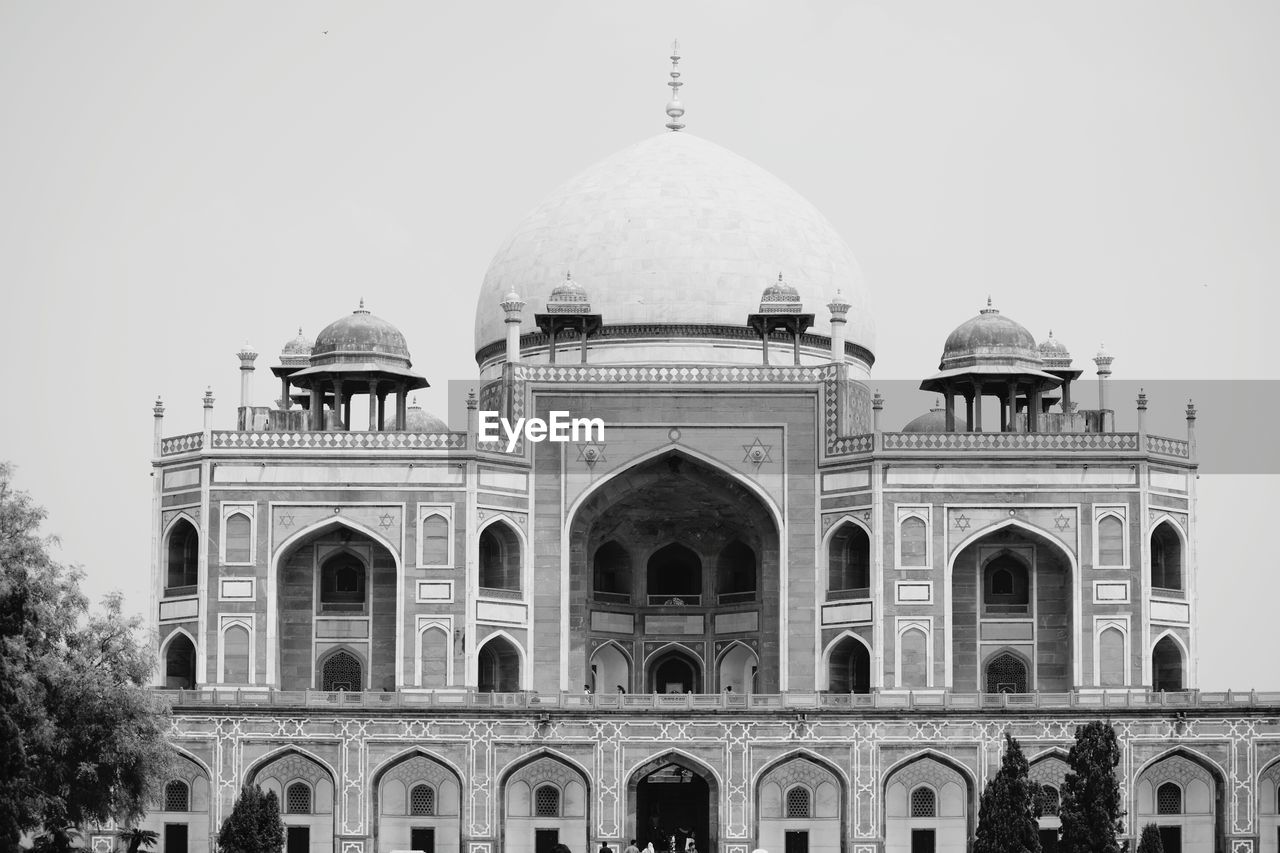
386 521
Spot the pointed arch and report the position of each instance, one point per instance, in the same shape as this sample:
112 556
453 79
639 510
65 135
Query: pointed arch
807 754
522 676
681 450
971 778
1163 676
166 677
330 665
280 551
1191 754
183 544
284 752
421 675
1168 572
841 528
824 673
609 681
499 532
723 679
1041 535
673 755
671 652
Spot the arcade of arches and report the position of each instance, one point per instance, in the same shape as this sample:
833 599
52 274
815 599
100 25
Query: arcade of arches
675 579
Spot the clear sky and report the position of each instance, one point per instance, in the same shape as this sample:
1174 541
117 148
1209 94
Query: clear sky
178 178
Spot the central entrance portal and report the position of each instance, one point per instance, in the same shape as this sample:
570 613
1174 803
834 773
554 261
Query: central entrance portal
673 809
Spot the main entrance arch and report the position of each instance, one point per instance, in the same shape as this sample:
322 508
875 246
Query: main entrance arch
675 549
674 796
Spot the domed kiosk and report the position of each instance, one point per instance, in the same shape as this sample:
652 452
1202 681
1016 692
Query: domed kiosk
354 355
675 237
991 355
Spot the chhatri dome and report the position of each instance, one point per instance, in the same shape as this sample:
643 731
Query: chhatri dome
674 239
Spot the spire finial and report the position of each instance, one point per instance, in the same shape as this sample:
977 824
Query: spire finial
990 309
675 109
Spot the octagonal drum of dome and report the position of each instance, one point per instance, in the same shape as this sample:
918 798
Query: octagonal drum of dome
676 231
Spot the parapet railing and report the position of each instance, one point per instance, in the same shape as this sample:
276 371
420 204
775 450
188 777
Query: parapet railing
240 440
749 702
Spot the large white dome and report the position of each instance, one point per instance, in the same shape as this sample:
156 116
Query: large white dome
675 230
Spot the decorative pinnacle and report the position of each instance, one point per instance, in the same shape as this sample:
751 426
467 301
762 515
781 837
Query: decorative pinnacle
877 402
159 407
838 306
247 354
1103 359
208 397
472 402
1191 410
675 109
1142 399
361 309
989 309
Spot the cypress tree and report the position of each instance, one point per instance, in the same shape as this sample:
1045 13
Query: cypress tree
1090 809
1006 816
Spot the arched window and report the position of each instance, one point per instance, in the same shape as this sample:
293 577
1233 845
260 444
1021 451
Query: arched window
1006 587
498 667
435 658
180 663
177 797
798 802
499 557
924 802
435 541
235 655
736 572
1110 541
1169 799
611 570
1166 666
546 801
341 671
342 583
422 800
1006 673
849 560
183 565
1166 558
237 544
912 545
675 572
297 799
849 668
1049 801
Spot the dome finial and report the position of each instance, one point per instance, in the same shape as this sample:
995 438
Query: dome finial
989 309
361 309
675 109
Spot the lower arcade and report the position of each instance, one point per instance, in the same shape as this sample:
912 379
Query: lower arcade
795 775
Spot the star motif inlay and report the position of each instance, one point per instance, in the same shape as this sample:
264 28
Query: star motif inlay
962 522
386 520
1062 522
757 452
286 520
591 453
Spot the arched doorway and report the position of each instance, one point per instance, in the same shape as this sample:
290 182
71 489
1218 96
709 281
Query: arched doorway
418 803
675 671
1006 673
674 549
1166 666
180 663
498 667
849 667
674 797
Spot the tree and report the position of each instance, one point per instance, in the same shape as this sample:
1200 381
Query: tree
135 839
81 737
254 825
1090 809
1150 841
1006 816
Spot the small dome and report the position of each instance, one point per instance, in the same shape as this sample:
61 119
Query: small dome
935 420
780 298
1053 353
990 338
568 297
360 336
418 420
297 352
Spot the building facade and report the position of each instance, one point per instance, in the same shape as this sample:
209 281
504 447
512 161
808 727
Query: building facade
748 613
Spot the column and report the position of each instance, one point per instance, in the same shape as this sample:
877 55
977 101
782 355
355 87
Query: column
968 411
949 401
975 425
382 410
795 331
402 406
1013 405
764 339
337 403
373 405
317 406
583 332
552 338
1033 410
285 402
